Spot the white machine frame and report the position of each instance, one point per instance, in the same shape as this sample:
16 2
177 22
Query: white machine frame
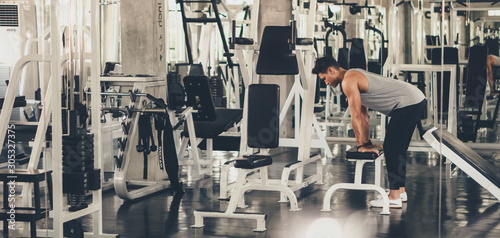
359 185
121 180
52 111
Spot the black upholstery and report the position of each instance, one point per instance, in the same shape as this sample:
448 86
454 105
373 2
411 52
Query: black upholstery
354 154
492 45
253 161
275 56
343 58
263 124
476 77
468 155
20 101
199 97
263 115
196 69
357 58
305 41
243 41
225 119
450 57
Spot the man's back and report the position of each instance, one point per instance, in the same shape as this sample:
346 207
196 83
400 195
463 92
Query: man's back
385 94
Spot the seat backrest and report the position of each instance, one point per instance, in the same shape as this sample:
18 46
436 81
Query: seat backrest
275 56
476 80
357 57
343 58
196 69
450 57
263 115
492 45
199 97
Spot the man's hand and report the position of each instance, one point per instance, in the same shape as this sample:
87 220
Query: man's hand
379 147
373 149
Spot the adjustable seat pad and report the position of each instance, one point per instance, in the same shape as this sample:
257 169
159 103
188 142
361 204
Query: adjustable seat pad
275 57
243 41
225 119
253 161
263 124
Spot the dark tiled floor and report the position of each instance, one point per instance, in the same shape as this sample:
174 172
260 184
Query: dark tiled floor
464 209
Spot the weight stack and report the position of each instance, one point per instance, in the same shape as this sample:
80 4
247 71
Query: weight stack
79 175
217 88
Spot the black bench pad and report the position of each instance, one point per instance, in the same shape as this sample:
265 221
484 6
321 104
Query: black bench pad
211 129
20 101
243 41
354 154
253 161
468 155
305 41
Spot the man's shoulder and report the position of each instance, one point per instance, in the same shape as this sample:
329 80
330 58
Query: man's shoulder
353 74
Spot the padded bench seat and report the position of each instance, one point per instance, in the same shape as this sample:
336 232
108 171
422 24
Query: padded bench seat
253 161
305 41
210 129
354 154
243 41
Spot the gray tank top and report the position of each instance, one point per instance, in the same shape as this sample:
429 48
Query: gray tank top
386 95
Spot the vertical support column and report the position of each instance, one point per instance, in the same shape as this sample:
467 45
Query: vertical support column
56 116
143 43
277 12
96 108
309 84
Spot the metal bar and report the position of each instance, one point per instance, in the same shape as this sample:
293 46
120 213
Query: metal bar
197 1
186 34
56 130
223 37
200 20
119 94
149 110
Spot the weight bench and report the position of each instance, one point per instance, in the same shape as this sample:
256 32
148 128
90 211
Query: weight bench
263 133
466 159
203 120
360 158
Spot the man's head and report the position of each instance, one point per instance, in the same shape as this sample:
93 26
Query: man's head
329 70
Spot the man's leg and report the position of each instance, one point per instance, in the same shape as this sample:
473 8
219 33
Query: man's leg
397 141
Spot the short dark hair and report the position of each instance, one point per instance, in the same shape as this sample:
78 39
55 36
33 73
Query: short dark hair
323 63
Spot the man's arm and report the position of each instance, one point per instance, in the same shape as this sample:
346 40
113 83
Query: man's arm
359 113
366 123
351 90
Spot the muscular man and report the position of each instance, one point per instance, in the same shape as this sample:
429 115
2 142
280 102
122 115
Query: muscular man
492 60
399 100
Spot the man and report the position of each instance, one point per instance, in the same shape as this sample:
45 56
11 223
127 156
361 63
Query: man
399 100
491 60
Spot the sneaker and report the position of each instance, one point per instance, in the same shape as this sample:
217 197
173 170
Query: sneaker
392 203
404 197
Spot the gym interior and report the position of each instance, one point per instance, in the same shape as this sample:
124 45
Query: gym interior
204 118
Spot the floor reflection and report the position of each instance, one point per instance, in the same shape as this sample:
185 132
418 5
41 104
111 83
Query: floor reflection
464 210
